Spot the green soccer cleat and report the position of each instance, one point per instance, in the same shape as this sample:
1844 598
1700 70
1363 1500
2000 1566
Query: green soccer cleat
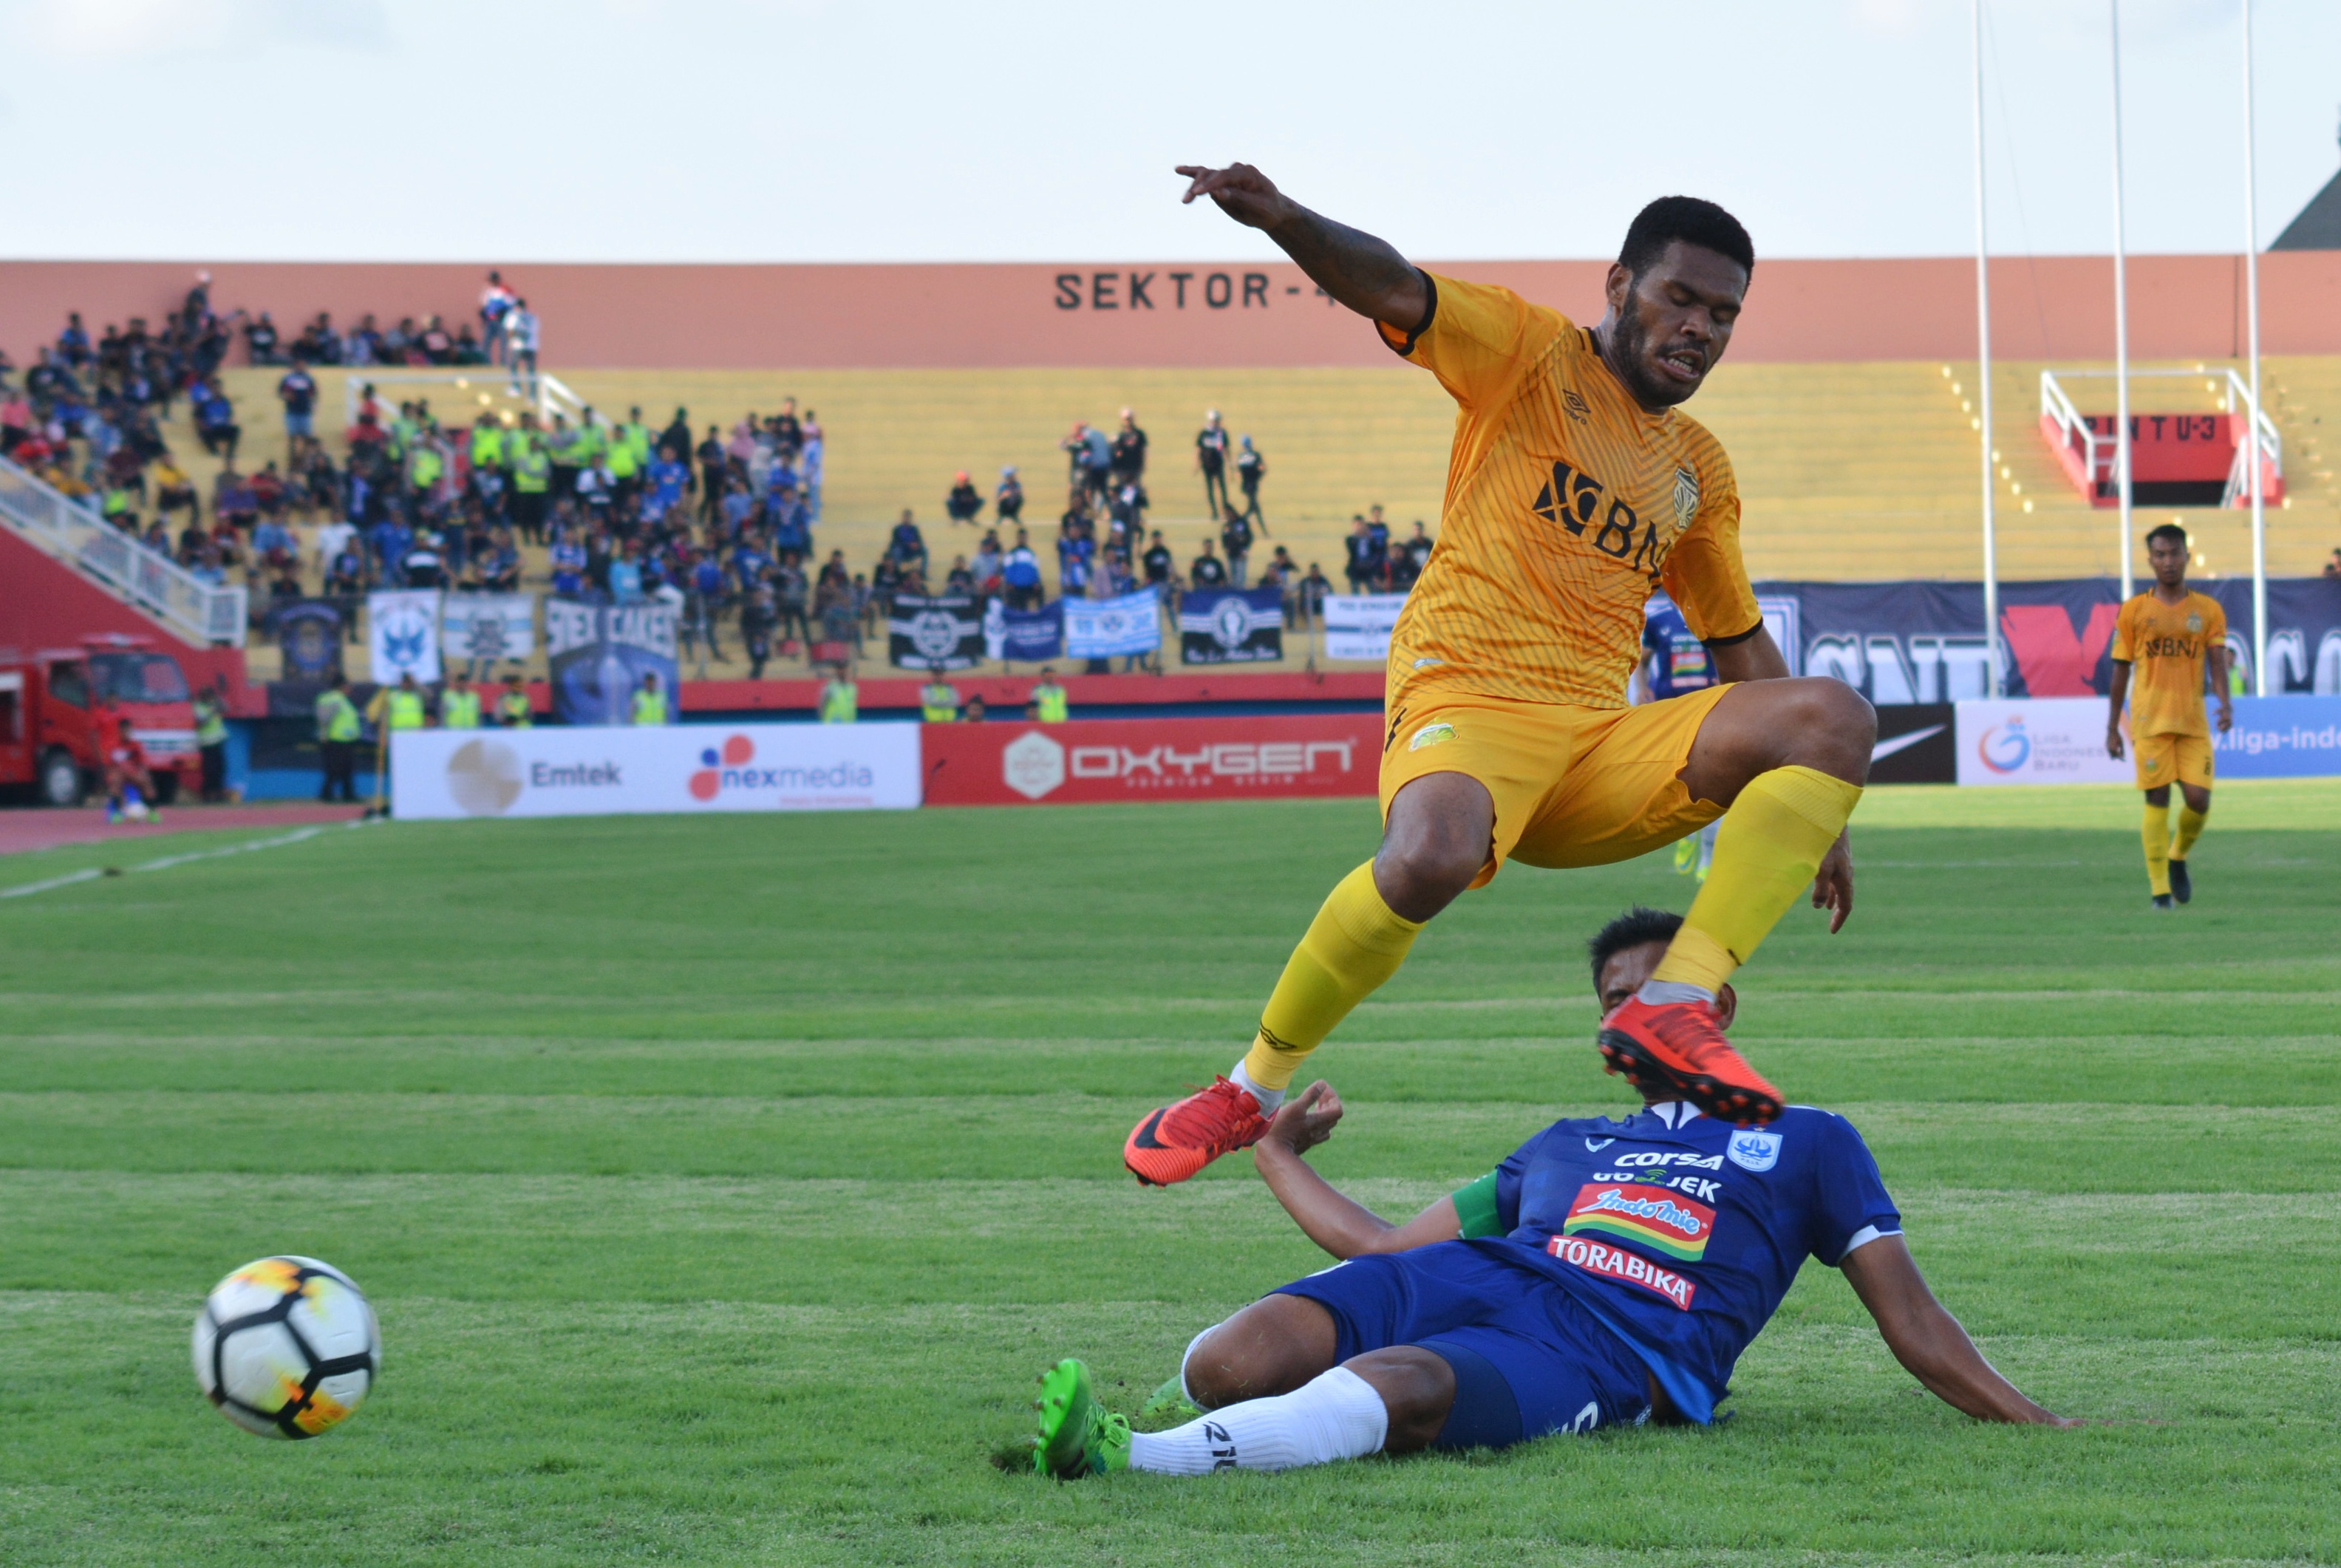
1169 1405
1078 1434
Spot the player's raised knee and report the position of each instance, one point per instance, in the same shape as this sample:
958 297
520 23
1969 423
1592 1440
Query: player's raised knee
1825 724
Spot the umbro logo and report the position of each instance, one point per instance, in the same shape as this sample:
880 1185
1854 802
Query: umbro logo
1575 404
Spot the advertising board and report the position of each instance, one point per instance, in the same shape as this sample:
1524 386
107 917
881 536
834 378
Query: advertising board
1244 757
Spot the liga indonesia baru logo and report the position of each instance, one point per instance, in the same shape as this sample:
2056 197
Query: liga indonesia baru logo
2004 748
731 768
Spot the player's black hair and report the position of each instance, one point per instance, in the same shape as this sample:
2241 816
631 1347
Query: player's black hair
2167 531
1636 926
1691 221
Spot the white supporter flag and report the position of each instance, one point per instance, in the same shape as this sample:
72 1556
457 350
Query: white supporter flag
402 635
1126 624
1357 625
488 625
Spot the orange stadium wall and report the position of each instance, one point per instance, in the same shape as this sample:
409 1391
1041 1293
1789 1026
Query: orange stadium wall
1197 313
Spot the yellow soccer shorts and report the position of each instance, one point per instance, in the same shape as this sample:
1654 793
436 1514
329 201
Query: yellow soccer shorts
2171 759
1572 786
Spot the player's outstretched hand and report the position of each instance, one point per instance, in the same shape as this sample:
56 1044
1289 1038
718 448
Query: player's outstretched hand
1306 1119
1242 192
1833 884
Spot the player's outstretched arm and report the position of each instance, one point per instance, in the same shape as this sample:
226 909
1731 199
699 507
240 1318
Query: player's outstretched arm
1365 273
1344 1228
1928 1341
2117 691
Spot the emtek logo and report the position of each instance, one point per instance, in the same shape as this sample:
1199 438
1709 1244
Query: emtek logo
730 769
2004 748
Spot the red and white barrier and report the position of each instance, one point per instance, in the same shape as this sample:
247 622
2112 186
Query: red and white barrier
1088 760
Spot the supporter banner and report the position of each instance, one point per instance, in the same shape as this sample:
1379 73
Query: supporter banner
599 653
1357 625
1123 626
1090 760
2281 738
944 632
308 639
488 625
1231 625
1034 636
1923 642
401 636
2037 740
600 770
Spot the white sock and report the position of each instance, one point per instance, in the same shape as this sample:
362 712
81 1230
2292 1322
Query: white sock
1270 1099
1659 993
1186 1357
1337 1416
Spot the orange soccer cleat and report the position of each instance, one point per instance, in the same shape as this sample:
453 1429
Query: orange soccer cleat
1677 1046
1174 1142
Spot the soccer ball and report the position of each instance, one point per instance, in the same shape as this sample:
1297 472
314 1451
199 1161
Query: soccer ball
287 1347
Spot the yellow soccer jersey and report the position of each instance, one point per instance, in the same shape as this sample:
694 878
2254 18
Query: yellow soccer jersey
2165 646
1566 506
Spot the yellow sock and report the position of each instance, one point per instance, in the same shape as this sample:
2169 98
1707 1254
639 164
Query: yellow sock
1771 844
2156 834
2190 828
1351 947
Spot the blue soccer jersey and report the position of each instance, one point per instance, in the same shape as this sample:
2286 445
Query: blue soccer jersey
1680 1232
1682 661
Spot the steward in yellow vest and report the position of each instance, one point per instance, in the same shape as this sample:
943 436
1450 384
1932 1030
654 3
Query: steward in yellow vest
840 701
459 706
939 702
1049 699
650 703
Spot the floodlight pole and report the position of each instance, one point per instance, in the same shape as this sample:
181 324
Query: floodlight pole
2121 322
1991 676
2252 307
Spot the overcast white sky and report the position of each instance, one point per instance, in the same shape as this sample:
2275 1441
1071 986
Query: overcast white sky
822 130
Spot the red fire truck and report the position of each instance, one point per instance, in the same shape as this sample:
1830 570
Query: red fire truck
49 712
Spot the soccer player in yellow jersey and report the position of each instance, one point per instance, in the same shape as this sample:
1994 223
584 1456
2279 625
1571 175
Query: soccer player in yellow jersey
1576 489
2162 642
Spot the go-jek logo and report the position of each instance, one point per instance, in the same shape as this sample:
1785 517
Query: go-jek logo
708 782
2004 748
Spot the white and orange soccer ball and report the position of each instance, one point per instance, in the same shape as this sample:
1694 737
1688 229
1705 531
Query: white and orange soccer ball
287 1347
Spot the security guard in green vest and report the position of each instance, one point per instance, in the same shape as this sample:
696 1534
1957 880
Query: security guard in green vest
459 705
424 466
939 701
840 701
1049 699
399 707
512 708
337 740
531 479
488 443
624 465
650 703
637 438
211 739
593 441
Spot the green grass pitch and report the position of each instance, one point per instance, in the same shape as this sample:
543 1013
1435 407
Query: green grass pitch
722 1183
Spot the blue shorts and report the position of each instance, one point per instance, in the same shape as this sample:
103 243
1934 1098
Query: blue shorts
1529 1360
300 424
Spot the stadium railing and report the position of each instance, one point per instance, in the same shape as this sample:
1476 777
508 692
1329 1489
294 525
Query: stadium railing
207 614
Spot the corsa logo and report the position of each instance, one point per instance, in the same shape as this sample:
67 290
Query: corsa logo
1669 1221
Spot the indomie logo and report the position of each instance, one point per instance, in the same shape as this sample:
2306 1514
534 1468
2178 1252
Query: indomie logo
1675 1224
729 769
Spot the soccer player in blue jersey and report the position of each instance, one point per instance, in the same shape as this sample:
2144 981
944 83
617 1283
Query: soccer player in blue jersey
1609 1271
1675 663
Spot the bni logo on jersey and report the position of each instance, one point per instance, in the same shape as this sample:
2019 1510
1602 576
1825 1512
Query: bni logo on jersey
2004 748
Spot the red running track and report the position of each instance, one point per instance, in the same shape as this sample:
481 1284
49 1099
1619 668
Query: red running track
47 829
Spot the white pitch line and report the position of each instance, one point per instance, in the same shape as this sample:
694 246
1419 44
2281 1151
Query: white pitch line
167 862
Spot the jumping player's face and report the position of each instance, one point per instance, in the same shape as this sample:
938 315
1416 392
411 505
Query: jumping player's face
1670 325
2168 560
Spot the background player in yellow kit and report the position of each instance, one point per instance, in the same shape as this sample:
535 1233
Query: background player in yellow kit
2162 642
1575 490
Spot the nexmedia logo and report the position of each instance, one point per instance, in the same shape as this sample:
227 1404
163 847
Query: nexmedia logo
1228 760
727 769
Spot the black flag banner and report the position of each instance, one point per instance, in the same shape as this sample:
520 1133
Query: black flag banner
944 632
1230 626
